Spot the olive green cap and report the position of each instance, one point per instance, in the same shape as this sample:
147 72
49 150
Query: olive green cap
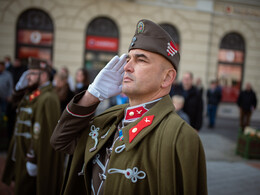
152 37
35 63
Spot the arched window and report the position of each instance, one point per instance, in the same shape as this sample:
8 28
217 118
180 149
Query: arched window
34 35
173 32
102 44
230 65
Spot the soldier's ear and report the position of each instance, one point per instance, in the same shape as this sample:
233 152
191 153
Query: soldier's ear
169 77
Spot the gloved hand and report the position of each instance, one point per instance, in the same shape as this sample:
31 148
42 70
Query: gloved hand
31 168
108 82
23 81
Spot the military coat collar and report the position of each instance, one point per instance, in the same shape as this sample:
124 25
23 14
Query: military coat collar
154 116
116 114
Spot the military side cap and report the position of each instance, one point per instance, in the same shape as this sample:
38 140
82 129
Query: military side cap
151 37
35 63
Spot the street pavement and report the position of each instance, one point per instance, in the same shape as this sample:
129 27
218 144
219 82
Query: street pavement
228 173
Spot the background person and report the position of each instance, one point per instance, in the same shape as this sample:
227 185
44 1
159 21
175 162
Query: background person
31 162
178 102
213 100
247 102
8 62
193 105
62 89
16 69
6 88
70 81
82 80
199 86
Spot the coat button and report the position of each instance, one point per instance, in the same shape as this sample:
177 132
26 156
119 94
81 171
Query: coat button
131 113
134 130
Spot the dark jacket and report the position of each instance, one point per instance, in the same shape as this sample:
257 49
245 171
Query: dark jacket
168 152
246 100
193 105
214 96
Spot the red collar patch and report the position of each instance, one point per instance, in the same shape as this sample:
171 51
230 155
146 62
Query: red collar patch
135 112
145 122
34 95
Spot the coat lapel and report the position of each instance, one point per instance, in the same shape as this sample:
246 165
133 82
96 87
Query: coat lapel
106 129
156 113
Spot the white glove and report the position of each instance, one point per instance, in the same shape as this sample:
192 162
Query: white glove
31 168
108 82
23 81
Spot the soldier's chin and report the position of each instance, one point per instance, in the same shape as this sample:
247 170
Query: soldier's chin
32 87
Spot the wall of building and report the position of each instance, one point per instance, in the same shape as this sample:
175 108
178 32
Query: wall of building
200 27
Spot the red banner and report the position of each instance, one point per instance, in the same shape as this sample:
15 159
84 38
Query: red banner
97 43
230 80
25 52
35 37
231 56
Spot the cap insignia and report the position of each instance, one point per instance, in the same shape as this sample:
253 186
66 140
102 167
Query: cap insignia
34 95
140 27
43 65
133 41
171 49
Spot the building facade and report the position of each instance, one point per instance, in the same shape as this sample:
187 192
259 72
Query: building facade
217 39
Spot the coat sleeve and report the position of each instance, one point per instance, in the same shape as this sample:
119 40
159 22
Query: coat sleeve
73 121
191 170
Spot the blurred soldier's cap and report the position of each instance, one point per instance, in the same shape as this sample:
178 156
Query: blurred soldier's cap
35 63
151 37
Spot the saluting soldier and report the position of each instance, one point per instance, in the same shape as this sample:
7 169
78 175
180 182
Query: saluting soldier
142 147
32 163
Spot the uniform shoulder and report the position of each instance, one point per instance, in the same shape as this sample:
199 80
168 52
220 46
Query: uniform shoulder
176 126
48 95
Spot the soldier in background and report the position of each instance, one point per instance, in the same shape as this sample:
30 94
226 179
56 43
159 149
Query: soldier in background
31 162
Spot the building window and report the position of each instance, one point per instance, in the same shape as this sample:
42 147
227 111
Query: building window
101 44
34 35
173 32
230 66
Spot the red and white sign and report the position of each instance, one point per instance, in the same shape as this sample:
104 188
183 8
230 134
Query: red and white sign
231 56
35 37
229 77
26 52
102 43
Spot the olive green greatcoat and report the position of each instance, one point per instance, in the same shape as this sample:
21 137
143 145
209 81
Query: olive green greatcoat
168 151
36 120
